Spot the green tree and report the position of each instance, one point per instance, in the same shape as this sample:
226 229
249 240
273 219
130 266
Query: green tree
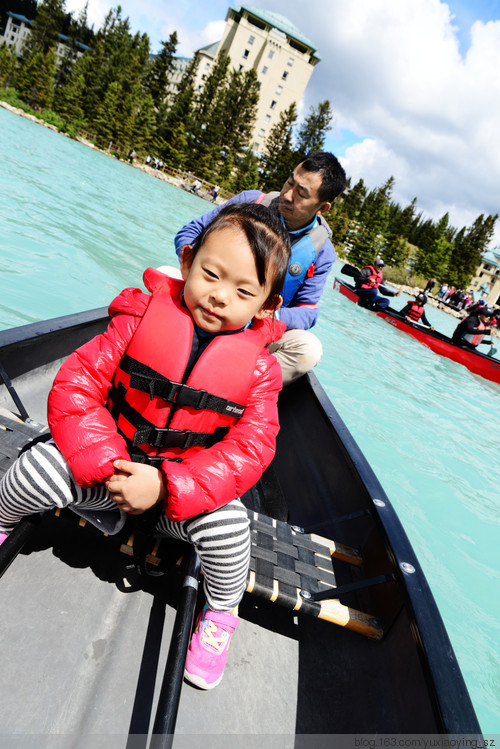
174 121
144 124
7 66
312 133
277 161
45 29
468 249
433 258
35 80
369 239
161 69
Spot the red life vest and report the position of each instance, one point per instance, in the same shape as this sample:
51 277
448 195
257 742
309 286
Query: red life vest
475 338
374 280
415 312
158 415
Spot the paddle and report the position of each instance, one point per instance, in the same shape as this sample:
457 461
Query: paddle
170 693
350 270
17 400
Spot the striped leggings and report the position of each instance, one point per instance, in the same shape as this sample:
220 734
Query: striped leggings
40 480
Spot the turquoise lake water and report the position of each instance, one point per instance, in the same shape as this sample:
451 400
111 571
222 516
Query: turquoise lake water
77 226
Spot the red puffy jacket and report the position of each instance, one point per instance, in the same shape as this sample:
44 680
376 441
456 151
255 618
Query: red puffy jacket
86 434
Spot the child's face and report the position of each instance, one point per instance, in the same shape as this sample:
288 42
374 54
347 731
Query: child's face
222 289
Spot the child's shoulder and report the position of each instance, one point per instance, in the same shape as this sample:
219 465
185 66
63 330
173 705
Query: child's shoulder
133 301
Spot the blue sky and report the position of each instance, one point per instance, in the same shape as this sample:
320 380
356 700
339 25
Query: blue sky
414 86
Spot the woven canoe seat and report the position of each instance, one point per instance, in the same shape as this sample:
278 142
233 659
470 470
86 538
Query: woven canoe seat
287 563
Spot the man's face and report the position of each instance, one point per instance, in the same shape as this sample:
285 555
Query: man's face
299 201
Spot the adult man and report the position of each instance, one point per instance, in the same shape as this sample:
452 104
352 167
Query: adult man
472 330
306 195
369 283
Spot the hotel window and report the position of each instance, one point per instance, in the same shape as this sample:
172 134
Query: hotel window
273 104
290 61
246 53
285 75
271 54
262 132
279 90
264 70
251 39
267 119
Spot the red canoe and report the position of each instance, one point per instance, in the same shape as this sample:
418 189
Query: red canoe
476 362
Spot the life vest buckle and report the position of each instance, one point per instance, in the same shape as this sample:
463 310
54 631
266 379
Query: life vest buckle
187 396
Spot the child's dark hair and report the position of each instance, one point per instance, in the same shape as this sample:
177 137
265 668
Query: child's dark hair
267 237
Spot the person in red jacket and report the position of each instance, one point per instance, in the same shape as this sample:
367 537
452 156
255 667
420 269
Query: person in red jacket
174 405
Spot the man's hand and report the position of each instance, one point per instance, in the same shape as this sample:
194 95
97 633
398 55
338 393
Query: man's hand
135 487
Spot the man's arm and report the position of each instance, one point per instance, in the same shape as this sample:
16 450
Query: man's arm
303 310
190 231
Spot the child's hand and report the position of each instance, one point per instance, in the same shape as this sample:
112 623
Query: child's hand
135 487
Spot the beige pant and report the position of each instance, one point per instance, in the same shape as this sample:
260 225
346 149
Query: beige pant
297 351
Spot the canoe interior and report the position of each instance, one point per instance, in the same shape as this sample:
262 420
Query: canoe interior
84 638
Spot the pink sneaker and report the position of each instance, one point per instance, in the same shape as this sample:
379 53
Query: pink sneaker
207 654
3 536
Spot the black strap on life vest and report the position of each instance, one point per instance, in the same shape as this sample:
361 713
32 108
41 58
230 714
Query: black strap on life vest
159 437
149 381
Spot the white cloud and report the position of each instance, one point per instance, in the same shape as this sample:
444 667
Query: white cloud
393 71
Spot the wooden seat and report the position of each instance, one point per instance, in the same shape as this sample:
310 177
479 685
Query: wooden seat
288 567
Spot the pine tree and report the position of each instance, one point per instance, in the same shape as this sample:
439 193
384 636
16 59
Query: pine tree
174 122
432 259
468 249
278 160
144 124
161 70
45 29
246 174
7 66
208 119
107 115
369 239
312 133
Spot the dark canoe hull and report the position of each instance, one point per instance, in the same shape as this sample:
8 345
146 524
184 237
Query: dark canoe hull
83 650
476 362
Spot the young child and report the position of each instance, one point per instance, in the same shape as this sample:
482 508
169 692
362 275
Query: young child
176 403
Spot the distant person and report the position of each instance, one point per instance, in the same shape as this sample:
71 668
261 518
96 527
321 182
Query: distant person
307 193
132 155
125 441
215 193
430 285
414 311
472 330
369 282
443 289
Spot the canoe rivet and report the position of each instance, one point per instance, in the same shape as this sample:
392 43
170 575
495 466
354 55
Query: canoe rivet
379 502
305 594
297 528
407 567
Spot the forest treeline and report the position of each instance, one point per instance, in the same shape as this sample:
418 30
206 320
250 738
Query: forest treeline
117 91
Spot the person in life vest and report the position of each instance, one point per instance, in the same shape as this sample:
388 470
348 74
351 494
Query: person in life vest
307 194
369 282
414 311
472 330
174 407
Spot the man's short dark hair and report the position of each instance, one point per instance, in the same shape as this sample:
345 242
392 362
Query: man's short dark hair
334 177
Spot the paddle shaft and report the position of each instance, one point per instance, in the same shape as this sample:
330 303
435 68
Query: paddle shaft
170 693
10 387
